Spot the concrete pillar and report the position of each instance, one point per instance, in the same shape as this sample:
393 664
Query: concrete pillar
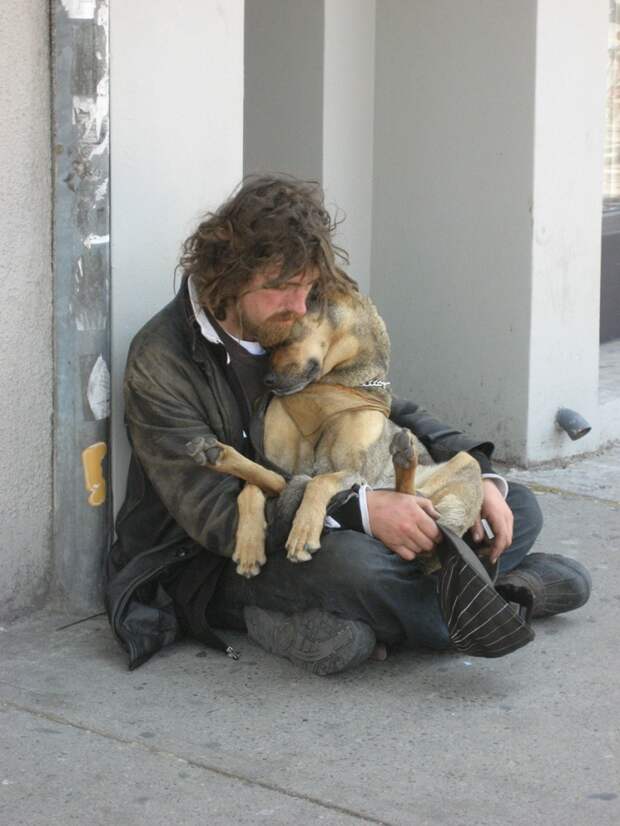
571 61
348 126
283 108
177 127
487 169
309 81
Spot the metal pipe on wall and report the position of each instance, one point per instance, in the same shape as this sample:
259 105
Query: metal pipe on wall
81 267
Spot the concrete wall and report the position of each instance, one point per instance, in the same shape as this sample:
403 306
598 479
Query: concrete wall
283 114
177 131
309 108
453 161
487 208
26 310
348 126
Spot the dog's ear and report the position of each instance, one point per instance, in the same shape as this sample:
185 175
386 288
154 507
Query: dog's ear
313 302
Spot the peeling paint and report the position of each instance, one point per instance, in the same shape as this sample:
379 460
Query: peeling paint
98 390
101 192
94 240
94 480
88 305
79 9
80 78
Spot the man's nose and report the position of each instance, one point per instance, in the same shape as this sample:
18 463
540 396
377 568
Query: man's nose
296 302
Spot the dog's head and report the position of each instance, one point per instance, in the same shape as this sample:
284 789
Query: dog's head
300 359
347 342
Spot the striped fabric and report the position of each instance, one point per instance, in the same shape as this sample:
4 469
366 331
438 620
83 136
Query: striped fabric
481 623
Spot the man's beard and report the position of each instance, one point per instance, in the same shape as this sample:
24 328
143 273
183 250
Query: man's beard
273 331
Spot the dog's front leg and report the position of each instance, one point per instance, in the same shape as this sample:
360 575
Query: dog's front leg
208 451
249 553
305 535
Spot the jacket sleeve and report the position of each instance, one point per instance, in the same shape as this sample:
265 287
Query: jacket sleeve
441 441
160 423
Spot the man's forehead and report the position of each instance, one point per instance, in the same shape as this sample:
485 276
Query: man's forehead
305 278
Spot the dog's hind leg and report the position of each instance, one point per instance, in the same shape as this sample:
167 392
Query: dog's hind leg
404 457
455 489
249 553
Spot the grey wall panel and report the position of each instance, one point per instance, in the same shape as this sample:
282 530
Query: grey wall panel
26 378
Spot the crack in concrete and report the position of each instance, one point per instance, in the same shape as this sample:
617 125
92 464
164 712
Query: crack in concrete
536 487
192 761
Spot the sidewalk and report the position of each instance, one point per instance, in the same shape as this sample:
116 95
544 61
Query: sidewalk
193 737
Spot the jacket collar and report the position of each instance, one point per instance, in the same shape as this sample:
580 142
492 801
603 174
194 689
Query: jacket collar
187 315
207 329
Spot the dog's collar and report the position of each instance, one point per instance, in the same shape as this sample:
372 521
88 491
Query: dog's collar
376 383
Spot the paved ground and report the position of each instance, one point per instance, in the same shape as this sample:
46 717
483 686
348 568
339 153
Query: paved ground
193 737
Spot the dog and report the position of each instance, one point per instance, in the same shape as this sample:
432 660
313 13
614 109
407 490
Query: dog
328 424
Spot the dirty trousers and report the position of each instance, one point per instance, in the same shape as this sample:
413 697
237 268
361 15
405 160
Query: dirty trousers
357 577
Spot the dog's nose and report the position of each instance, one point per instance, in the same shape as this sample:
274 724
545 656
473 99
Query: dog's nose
269 380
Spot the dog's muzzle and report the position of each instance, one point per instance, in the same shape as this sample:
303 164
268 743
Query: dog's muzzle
285 385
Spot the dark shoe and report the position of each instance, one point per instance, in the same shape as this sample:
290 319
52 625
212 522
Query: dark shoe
556 583
316 640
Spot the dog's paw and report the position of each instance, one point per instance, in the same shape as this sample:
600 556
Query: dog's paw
402 448
206 450
249 560
249 553
248 569
297 553
304 538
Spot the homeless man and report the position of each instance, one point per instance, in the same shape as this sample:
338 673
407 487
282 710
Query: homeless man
196 369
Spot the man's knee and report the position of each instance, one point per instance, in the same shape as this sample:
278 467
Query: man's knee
351 561
528 522
524 505
369 582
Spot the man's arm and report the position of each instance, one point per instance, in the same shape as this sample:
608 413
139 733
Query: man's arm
407 527
385 513
442 441
202 501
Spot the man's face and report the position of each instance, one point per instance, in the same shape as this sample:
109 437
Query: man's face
267 313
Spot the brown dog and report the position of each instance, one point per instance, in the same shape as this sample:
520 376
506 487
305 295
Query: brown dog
329 421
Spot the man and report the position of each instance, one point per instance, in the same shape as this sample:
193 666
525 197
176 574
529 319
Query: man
196 369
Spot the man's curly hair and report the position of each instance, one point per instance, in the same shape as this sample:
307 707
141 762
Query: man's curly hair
269 222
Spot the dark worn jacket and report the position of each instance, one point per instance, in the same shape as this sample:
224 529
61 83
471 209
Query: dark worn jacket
175 511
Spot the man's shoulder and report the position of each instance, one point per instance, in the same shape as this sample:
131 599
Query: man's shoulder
167 334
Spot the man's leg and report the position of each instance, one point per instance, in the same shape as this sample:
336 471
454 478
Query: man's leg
352 576
360 567
356 578
557 583
528 522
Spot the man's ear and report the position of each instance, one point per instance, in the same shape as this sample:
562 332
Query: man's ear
219 310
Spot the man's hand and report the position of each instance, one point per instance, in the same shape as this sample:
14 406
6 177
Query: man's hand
404 523
500 518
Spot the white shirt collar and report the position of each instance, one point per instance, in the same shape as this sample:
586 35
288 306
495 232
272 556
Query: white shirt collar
208 330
